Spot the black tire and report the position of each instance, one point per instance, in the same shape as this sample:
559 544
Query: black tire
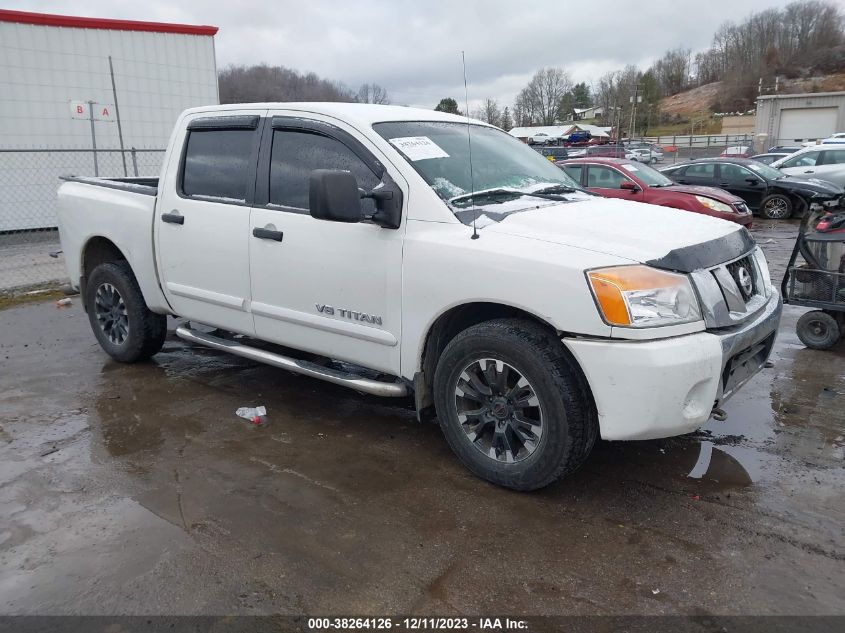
776 207
818 330
565 406
136 333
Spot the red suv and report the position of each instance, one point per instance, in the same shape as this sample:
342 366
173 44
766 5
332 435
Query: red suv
630 180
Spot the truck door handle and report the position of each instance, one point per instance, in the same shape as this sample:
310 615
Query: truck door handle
173 218
267 234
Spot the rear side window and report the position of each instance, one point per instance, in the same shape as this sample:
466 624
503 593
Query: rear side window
217 164
295 154
704 171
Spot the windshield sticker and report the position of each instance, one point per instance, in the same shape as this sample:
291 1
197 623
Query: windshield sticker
418 147
630 168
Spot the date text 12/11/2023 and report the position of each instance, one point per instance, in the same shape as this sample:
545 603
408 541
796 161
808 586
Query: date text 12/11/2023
417 624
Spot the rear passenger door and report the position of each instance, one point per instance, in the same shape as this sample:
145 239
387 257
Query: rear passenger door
331 288
202 220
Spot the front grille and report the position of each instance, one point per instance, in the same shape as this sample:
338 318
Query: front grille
744 275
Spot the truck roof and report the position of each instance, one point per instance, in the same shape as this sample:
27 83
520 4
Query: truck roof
363 113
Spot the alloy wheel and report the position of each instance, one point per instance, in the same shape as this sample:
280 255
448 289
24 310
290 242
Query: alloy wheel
111 313
777 208
498 410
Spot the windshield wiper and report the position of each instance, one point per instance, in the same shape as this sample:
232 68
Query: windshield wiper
556 189
511 193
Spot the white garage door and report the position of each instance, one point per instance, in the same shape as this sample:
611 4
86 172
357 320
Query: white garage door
807 124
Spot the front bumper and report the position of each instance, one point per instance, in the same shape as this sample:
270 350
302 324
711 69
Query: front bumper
665 387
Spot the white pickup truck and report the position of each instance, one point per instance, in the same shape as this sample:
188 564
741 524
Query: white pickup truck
528 315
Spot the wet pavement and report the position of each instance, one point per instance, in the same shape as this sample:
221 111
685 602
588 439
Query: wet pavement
136 490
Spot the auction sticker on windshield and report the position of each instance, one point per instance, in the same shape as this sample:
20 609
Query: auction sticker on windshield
418 147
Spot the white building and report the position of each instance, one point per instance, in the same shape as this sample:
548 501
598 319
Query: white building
139 77
789 119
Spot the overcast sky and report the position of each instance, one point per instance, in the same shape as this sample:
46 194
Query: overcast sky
413 47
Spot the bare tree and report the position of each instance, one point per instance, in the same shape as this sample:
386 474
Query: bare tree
243 84
372 93
544 92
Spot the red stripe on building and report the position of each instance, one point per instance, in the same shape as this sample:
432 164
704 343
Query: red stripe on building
49 19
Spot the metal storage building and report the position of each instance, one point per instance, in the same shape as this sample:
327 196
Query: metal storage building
67 83
786 119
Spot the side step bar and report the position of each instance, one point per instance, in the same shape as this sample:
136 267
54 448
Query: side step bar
395 389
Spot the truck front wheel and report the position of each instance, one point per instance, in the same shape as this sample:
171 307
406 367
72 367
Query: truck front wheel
513 405
125 328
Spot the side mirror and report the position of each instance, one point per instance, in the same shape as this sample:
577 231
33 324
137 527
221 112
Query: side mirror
629 186
751 181
333 195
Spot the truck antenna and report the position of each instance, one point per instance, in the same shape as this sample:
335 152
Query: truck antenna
469 142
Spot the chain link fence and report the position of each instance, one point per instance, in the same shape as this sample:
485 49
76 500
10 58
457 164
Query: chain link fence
29 179
677 149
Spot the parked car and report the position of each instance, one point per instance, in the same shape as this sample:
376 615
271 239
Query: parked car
570 317
786 149
616 178
655 150
610 151
541 138
579 137
740 151
554 153
770 192
769 158
826 162
834 139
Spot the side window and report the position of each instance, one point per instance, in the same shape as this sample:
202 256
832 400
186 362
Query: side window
604 177
833 157
804 160
574 172
295 154
217 163
735 174
704 171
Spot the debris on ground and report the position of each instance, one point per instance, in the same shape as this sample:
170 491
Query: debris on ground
256 415
64 303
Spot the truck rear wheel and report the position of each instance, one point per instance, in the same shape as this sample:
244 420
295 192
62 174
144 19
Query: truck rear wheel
125 328
513 404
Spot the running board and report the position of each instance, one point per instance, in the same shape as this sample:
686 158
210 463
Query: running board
395 389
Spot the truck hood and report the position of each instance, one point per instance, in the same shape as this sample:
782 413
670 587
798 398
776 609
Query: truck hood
645 233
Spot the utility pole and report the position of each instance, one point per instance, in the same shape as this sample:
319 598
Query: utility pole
634 100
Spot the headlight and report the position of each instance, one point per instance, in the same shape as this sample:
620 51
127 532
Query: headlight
763 267
641 296
715 205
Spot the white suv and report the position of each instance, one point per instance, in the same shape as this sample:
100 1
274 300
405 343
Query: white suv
820 161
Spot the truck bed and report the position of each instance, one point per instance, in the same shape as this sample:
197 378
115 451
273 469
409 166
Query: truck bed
143 186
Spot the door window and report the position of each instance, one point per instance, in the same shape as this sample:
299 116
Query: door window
574 172
703 171
804 160
217 164
833 157
295 154
604 177
735 174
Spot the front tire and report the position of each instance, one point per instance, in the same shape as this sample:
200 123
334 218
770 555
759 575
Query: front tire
818 330
513 404
125 328
776 207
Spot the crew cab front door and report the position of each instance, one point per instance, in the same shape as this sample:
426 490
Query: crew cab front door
325 287
202 220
